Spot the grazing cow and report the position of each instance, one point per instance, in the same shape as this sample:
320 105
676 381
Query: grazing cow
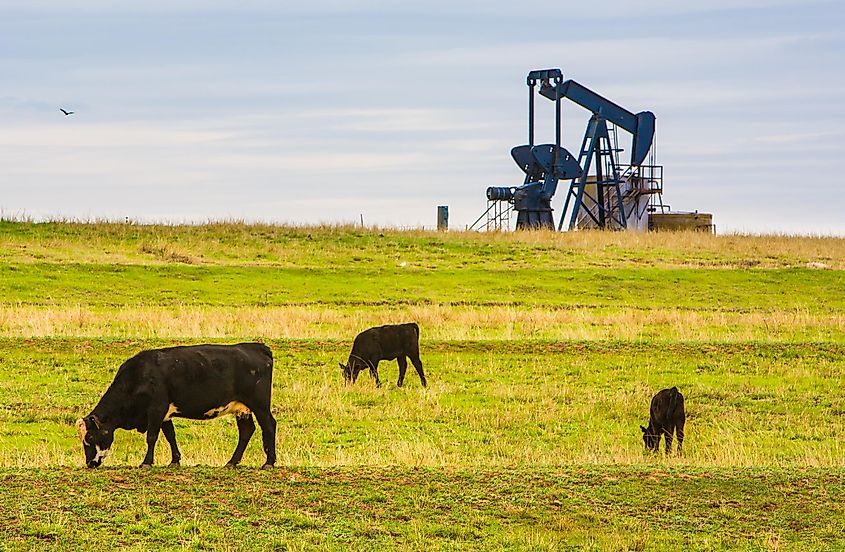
385 343
199 382
666 416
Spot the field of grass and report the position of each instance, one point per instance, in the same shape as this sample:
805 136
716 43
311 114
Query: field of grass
406 508
542 351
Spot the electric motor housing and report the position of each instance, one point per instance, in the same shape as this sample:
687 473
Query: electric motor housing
499 193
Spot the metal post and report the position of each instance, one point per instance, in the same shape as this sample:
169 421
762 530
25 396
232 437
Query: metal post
600 186
557 129
442 217
587 156
530 113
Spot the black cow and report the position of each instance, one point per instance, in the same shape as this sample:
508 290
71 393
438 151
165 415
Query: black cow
667 415
385 343
199 382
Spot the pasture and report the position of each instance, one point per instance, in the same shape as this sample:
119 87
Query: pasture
542 351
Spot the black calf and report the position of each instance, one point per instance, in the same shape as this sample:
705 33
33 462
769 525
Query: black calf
667 416
385 343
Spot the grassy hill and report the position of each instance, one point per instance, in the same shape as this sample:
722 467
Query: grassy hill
542 351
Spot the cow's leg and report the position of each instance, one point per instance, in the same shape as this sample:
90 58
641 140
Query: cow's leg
170 434
155 419
667 432
418 365
374 372
679 429
246 427
403 366
268 435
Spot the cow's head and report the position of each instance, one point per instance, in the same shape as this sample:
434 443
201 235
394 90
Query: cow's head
649 438
351 369
96 439
347 373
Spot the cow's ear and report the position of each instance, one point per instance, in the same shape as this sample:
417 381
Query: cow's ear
81 429
641 427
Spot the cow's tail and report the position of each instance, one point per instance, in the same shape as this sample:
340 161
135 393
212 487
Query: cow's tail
416 329
269 354
266 350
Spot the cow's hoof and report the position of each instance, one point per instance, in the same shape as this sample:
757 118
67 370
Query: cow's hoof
267 467
145 466
230 465
173 465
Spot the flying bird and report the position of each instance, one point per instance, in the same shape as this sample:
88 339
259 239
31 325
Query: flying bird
66 112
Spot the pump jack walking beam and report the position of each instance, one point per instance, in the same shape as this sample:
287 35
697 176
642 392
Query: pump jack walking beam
598 151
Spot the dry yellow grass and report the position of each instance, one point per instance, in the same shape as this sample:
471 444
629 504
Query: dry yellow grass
606 439
438 322
232 243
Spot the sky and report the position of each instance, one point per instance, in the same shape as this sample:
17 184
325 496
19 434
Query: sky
330 111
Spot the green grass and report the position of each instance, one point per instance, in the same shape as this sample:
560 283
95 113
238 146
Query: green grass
542 352
346 247
502 403
404 508
702 289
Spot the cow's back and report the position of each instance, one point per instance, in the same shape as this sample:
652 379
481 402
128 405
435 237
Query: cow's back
239 356
667 406
218 370
387 342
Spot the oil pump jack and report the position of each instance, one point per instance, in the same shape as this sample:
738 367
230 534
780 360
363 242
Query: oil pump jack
602 193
